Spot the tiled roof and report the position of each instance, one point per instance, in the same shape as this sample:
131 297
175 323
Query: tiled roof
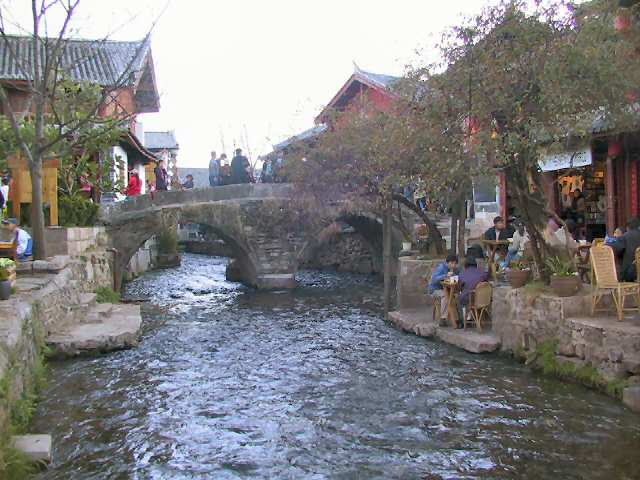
103 62
384 81
307 134
160 140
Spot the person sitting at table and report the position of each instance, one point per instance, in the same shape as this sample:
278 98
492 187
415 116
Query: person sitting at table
499 232
625 247
445 270
516 249
560 238
617 233
468 281
24 244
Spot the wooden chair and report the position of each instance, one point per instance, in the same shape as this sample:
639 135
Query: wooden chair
605 282
479 305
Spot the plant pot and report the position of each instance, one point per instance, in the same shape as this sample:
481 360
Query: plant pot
406 246
517 278
565 286
5 289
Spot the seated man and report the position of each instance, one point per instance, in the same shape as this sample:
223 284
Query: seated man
516 249
499 232
446 269
468 281
23 239
625 247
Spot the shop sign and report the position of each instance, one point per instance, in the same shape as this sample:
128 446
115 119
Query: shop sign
558 161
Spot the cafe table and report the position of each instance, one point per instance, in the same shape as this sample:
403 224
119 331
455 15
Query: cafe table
491 246
450 288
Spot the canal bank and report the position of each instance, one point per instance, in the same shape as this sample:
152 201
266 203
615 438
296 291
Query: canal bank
229 382
554 334
55 312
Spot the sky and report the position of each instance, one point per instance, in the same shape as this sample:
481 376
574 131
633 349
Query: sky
252 73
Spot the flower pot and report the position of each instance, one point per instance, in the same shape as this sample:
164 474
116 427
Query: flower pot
406 246
517 278
5 290
565 286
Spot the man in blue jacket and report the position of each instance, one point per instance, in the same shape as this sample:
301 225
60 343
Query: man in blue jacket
445 269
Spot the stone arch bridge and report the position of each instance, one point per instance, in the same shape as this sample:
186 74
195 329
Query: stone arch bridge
267 229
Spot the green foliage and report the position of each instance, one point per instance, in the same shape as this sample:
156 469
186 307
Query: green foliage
520 265
560 267
4 275
546 360
168 241
107 295
7 263
77 212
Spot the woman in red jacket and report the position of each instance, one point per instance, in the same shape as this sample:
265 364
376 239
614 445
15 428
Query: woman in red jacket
135 185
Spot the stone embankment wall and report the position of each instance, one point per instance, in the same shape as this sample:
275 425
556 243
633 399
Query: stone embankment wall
345 252
557 334
43 301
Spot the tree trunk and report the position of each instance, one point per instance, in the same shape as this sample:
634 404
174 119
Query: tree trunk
37 214
386 253
432 228
453 230
462 217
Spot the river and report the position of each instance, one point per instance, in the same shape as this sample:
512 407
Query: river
231 383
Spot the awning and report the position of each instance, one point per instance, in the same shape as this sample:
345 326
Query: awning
559 161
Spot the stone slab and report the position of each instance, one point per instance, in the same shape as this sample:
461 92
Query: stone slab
118 331
631 398
469 340
35 447
418 321
629 325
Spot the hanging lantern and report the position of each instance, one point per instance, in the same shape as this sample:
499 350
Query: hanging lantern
615 149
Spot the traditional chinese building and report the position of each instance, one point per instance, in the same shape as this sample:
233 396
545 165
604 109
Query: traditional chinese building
124 69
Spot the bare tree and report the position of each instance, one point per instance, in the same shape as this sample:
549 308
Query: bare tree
42 73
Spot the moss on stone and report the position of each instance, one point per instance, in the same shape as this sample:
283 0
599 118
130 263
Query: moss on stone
107 295
547 361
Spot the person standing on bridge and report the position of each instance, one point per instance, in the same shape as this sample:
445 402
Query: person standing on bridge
161 176
239 168
214 170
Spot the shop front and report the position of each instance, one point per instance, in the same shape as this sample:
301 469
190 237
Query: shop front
595 186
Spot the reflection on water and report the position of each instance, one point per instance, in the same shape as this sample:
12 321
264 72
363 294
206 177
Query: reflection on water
232 383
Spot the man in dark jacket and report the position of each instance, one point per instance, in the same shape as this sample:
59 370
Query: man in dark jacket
239 166
625 246
161 176
499 231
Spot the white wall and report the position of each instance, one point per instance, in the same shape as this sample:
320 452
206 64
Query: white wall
118 151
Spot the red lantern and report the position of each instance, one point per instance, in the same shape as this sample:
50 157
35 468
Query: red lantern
614 150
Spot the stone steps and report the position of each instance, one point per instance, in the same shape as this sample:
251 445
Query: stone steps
106 328
420 322
37 448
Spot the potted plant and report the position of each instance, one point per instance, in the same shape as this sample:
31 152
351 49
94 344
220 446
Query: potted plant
519 273
565 281
7 277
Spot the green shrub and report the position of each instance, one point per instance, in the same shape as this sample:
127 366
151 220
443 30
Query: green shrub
107 295
77 212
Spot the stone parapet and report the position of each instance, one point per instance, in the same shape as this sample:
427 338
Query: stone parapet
74 241
413 278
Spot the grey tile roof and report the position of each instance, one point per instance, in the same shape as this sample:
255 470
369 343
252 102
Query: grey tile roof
384 81
102 62
160 140
307 134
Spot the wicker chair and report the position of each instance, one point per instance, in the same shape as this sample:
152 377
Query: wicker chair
637 261
479 305
597 242
605 282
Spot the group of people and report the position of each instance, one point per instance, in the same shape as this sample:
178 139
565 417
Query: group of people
468 280
221 173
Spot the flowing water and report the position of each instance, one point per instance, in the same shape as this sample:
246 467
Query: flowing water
231 383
